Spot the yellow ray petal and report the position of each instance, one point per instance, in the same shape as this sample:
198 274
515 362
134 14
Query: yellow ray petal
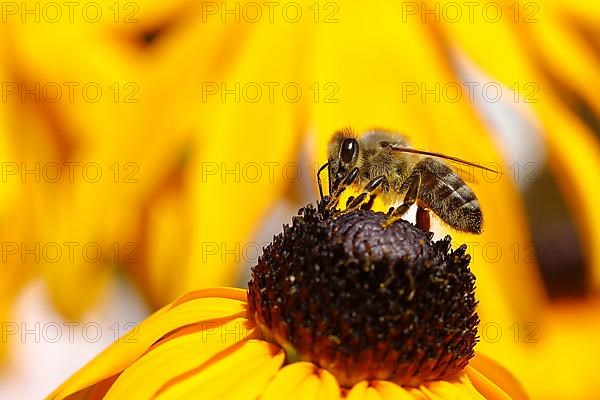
95 392
287 380
363 391
582 153
391 391
454 389
303 380
372 394
358 391
569 59
68 125
328 388
434 396
169 215
499 375
570 325
501 36
588 11
121 354
257 380
228 373
223 292
149 373
486 387
307 389
188 55
218 179
417 394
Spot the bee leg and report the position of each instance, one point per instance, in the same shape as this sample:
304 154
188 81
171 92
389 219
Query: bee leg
369 204
423 221
349 201
369 188
414 184
326 165
347 181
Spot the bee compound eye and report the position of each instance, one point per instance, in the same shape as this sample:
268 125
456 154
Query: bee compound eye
348 150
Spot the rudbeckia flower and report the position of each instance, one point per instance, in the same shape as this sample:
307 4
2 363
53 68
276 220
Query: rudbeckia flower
339 306
360 61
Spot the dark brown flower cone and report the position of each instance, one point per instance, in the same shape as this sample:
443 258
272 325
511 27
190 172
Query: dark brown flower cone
364 301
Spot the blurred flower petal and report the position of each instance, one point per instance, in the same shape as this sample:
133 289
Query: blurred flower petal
521 57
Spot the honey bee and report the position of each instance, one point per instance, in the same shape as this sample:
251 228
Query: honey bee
381 159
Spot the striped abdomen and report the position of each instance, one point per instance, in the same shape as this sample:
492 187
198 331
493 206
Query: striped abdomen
448 196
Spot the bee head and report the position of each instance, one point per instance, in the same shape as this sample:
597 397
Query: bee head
343 156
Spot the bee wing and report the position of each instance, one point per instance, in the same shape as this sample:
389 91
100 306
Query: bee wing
463 168
466 172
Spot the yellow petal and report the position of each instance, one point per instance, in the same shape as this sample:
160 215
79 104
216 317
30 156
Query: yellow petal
562 338
499 375
567 161
358 391
303 380
307 389
240 373
221 175
121 354
149 373
391 391
372 394
223 292
570 60
287 380
486 387
188 54
328 388
169 215
418 394
454 389
95 392
363 391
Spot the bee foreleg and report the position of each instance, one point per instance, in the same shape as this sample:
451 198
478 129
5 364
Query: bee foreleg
326 165
369 188
413 184
347 181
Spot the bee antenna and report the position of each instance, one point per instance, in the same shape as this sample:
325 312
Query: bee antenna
440 155
319 179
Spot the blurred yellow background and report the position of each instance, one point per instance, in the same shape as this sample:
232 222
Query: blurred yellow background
150 149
